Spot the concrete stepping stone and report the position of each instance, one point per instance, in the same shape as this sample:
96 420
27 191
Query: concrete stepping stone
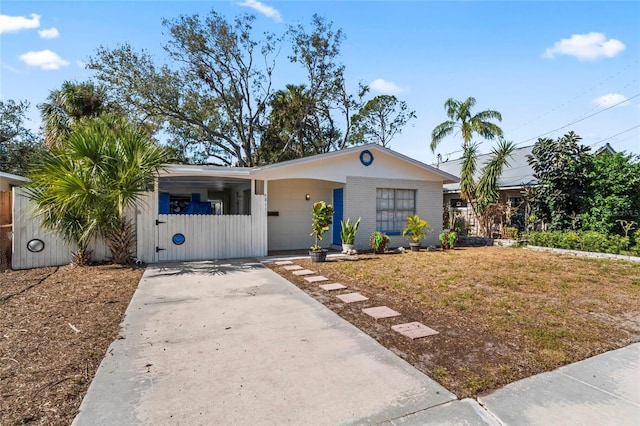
414 330
284 262
316 279
292 267
331 287
352 297
381 312
303 272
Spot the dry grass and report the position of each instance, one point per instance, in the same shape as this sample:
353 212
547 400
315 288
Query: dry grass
502 313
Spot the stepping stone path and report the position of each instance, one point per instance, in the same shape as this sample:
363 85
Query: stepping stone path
352 297
284 262
292 267
381 312
316 279
331 287
414 330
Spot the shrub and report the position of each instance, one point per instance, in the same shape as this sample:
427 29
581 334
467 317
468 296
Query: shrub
580 240
379 241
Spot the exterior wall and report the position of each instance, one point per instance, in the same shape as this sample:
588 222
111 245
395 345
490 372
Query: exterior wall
360 202
291 228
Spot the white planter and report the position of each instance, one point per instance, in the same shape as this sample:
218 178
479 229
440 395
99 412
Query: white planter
347 248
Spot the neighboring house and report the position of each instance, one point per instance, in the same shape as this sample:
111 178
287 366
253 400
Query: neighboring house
514 178
511 182
7 182
210 212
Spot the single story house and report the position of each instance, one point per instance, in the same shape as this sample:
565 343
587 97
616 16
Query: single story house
8 181
210 212
514 178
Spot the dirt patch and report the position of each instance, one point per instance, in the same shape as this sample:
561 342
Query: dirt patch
502 314
55 327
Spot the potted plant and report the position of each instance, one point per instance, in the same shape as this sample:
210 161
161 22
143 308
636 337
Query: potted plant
379 241
416 230
321 214
448 239
348 233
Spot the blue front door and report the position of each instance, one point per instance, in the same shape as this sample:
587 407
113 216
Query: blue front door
337 215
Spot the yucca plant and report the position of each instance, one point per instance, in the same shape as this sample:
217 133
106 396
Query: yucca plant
349 230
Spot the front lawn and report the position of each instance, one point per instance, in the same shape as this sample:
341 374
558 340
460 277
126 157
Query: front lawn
502 313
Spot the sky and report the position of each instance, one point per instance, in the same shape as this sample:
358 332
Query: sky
547 66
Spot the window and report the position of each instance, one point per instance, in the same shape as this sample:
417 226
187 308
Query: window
392 208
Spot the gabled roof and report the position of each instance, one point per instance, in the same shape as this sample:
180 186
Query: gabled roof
518 173
285 167
446 177
606 148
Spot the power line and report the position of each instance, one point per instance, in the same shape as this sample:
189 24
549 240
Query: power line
579 120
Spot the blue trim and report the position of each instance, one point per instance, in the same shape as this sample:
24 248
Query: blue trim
338 212
392 232
366 157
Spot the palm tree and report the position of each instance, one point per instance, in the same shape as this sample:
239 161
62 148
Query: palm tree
83 187
68 105
460 118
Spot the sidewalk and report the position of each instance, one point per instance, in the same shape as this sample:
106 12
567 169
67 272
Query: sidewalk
233 343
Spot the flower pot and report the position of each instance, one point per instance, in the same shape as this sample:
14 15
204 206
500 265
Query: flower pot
346 248
415 246
318 255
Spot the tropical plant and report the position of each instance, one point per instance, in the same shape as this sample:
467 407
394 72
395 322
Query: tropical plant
448 239
460 119
67 106
416 228
379 241
561 168
321 219
83 187
349 230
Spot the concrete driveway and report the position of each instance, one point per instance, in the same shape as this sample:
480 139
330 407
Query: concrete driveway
231 342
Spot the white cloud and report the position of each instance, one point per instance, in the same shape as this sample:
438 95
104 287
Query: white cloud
13 24
610 99
50 33
262 8
44 59
382 86
81 64
588 47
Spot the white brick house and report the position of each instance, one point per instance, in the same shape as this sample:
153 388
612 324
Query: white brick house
210 212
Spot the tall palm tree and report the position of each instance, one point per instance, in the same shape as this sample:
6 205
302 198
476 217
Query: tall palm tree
460 119
83 187
68 105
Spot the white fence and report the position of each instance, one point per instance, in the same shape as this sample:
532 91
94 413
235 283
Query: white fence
54 252
205 236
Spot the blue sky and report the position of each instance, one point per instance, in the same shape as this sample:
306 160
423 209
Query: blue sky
543 65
